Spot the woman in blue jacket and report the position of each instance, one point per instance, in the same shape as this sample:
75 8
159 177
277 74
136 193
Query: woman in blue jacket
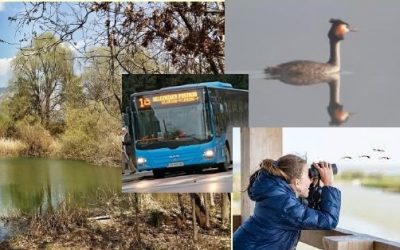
279 215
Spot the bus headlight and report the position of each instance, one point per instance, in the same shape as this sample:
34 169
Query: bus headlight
141 160
209 153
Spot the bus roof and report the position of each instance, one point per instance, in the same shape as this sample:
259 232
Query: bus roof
220 85
203 84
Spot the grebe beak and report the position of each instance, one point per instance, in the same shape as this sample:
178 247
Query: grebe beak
352 30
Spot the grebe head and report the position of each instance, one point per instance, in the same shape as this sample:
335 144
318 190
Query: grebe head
338 29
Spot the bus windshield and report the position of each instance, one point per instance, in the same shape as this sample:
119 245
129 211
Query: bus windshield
172 126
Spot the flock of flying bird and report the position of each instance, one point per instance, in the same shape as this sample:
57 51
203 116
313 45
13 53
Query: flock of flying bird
368 156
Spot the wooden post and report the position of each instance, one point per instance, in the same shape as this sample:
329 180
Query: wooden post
245 206
257 145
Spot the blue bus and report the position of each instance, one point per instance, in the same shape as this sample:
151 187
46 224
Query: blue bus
186 127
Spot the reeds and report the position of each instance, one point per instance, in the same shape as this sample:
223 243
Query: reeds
11 147
389 183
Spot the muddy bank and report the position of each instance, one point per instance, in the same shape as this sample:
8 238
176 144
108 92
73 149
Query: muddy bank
114 225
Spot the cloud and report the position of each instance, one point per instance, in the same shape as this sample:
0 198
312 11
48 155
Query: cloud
74 48
2 6
5 65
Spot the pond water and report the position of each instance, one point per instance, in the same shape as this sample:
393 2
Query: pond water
267 33
32 185
370 210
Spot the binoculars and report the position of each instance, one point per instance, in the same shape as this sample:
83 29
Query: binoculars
315 191
313 171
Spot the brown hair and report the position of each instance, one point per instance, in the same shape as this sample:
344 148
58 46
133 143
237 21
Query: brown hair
288 167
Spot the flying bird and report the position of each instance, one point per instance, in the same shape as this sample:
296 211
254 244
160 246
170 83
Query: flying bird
346 157
378 150
365 156
384 157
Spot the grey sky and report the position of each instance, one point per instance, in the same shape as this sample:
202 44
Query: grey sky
331 144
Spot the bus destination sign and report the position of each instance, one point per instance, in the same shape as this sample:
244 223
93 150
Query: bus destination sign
168 99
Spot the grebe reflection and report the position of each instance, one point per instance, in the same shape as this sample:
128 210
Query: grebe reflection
335 109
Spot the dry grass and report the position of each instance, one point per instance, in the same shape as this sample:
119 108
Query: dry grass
77 228
12 147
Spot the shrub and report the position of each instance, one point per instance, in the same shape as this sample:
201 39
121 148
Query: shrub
157 218
38 140
5 125
91 135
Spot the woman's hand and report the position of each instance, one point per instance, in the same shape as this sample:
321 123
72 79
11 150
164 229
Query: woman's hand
325 171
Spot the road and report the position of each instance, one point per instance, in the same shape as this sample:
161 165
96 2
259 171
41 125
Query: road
209 181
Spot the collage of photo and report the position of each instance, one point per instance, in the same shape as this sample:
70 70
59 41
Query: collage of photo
267 125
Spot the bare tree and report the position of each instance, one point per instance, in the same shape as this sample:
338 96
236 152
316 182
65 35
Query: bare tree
182 206
225 209
179 37
207 210
41 79
194 217
212 202
134 202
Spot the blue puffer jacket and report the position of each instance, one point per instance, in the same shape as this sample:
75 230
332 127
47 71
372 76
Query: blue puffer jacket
279 216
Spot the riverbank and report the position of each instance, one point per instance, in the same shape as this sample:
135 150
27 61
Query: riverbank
14 148
388 183
385 182
114 224
89 133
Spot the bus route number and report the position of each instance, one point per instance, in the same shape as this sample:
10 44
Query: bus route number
144 102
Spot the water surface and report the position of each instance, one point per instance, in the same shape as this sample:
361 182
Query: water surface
370 211
31 185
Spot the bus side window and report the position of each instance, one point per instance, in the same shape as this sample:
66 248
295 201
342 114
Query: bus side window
218 117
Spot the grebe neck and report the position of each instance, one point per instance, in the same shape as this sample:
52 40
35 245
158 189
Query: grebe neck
334 57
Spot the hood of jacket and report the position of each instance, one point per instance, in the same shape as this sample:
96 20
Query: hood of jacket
268 186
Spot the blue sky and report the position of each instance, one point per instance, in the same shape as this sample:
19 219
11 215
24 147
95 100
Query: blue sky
7 33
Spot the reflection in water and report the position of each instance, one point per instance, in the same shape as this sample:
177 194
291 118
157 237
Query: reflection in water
375 212
335 108
304 72
38 185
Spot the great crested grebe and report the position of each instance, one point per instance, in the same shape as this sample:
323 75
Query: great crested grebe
303 67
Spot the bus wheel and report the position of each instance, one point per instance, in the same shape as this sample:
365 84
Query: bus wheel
198 170
158 173
188 171
225 165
